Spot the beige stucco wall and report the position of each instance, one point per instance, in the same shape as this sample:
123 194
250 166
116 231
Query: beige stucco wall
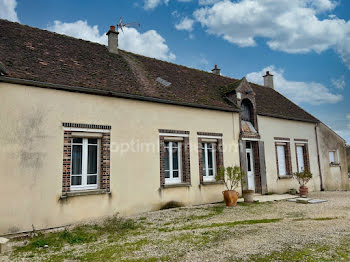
334 177
31 153
270 128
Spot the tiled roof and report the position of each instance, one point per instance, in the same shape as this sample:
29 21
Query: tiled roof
39 55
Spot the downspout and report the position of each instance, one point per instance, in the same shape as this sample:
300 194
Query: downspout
318 159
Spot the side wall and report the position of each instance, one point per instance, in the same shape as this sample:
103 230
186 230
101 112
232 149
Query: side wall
273 127
335 177
31 155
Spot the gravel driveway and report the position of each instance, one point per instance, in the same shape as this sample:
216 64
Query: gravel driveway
271 231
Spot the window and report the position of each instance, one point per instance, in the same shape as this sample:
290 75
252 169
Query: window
333 158
281 154
284 166
85 153
210 156
86 157
209 161
173 160
302 157
174 149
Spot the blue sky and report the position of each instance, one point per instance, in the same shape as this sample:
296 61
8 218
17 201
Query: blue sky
304 43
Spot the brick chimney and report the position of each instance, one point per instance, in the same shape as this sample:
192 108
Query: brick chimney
268 80
112 40
216 70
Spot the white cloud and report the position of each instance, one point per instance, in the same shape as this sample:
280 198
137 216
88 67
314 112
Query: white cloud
348 116
207 2
7 10
151 4
339 83
185 24
299 92
149 43
79 29
289 26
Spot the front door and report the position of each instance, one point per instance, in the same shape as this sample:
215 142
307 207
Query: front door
250 166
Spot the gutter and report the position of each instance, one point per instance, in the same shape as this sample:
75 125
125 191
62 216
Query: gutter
94 91
318 159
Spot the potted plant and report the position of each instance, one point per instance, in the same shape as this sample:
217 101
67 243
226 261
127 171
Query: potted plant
303 178
231 176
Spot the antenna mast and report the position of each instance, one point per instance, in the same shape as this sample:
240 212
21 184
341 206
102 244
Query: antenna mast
121 24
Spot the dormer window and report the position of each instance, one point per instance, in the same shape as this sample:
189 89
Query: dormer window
246 111
247 117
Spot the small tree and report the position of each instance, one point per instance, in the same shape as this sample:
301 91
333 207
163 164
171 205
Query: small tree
302 177
231 176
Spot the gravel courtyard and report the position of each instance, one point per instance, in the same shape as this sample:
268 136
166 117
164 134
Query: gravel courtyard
271 231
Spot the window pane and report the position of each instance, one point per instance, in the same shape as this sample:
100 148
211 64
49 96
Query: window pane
77 140
210 158
248 145
331 157
166 159
281 160
76 180
203 159
248 162
77 159
209 145
175 174
92 141
300 154
211 172
166 144
175 157
92 159
167 174
92 180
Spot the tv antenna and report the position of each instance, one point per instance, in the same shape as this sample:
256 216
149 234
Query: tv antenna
121 24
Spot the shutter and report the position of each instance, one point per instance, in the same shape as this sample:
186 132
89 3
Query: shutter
262 167
243 161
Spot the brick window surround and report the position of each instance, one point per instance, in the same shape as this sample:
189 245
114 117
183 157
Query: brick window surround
303 143
288 160
218 150
186 172
104 174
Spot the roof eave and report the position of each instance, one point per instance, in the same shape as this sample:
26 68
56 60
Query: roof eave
94 91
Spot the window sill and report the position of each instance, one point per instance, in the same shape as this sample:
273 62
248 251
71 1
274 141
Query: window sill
175 185
84 193
334 164
285 177
207 183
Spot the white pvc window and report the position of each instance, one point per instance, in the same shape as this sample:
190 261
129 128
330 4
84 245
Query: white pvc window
173 161
84 167
209 161
300 158
281 154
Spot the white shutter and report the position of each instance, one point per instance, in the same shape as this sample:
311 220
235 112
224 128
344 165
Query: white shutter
281 160
300 159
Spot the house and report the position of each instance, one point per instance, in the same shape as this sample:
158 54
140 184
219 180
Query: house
89 131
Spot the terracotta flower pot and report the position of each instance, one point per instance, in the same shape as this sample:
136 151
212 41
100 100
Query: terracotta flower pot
231 197
303 191
248 196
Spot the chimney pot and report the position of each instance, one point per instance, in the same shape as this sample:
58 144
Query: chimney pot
112 40
268 80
